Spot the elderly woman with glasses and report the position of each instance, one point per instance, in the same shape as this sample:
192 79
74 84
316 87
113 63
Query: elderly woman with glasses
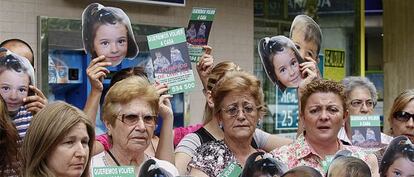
130 110
361 98
324 112
238 105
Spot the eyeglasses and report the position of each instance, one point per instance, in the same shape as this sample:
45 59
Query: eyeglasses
233 110
403 116
357 103
133 119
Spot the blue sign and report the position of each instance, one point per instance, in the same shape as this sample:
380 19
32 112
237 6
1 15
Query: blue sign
287 109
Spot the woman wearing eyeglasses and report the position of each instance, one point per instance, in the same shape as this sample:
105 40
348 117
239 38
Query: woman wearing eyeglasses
398 159
238 105
361 98
324 112
129 113
401 117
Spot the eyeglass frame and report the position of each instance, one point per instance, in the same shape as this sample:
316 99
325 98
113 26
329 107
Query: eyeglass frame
233 115
397 115
140 117
366 102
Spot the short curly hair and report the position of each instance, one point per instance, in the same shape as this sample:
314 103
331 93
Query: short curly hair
125 91
322 86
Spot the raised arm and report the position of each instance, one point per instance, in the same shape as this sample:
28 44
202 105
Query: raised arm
205 65
165 148
96 72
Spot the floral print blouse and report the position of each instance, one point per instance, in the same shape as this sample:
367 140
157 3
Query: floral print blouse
212 158
300 153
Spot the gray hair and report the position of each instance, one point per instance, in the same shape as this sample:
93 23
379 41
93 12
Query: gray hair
353 82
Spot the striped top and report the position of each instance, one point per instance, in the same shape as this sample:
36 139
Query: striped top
22 121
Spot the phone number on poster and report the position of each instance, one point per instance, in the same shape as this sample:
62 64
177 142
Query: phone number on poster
182 87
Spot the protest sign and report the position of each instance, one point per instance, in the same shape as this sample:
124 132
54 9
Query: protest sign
170 60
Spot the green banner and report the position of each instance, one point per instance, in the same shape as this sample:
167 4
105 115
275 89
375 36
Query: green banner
166 38
233 170
203 14
365 121
114 171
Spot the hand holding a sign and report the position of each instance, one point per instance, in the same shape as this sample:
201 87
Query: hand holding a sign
205 65
309 72
36 102
161 88
96 72
165 149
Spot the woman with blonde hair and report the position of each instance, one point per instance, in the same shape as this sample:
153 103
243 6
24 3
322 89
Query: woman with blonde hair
59 142
401 116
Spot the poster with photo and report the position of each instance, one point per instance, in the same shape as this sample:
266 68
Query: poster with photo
198 30
170 60
365 131
107 31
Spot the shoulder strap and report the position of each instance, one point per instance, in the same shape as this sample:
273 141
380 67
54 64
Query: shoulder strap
204 135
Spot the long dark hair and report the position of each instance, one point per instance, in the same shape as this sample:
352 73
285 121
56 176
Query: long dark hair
9 143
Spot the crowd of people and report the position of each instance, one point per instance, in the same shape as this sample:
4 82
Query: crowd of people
40 139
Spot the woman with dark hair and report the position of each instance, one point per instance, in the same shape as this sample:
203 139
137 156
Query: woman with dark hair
398 159
9 146
107 33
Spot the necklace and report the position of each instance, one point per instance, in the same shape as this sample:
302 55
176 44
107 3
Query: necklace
113 157
116 161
